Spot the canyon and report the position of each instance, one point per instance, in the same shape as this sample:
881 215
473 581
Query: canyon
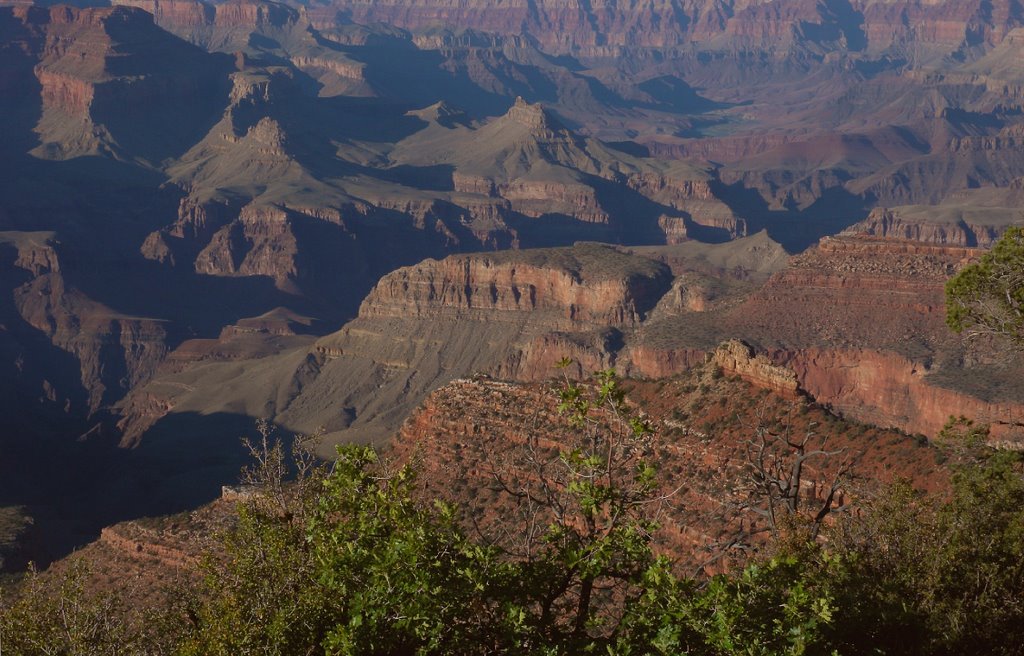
856 323
322 213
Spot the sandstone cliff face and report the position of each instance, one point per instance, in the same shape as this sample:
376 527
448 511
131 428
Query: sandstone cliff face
946 24
694 199
877 307
196 225
738 358
857 291
478 286
856 323
860 322
69 94
260 242
535 199
887 389
512 314
109 79
188 13
178 14
890 224
246 13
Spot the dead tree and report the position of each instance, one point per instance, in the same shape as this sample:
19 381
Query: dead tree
776 466
788 486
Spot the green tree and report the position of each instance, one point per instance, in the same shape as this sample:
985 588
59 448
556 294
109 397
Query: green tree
589 505
931 577
363 567
368 571
987 298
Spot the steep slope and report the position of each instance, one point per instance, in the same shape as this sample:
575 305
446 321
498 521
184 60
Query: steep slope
514 314
111 82
861 322
467 430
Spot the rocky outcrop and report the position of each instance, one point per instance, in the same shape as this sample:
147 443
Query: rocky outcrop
646 361
511 314
180 14
351 70
739 358
254 14
186 13
538 198
696 203
859 321
114 352
66 93
109 79
862 321
473 184
259 242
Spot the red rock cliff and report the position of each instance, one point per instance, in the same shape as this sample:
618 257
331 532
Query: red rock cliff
568 293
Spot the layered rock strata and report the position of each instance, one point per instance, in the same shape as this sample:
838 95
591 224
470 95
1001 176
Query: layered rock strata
738 358
513 314
860 321
470 429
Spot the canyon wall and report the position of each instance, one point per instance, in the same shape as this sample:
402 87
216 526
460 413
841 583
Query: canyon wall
513 314
563 293
857 323
603 30
860 322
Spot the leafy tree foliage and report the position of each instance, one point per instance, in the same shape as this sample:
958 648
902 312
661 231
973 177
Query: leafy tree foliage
590 505
943 578
369 572
987 298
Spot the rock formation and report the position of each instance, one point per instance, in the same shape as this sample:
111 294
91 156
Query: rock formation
738 358
860 321
872 26
514 314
